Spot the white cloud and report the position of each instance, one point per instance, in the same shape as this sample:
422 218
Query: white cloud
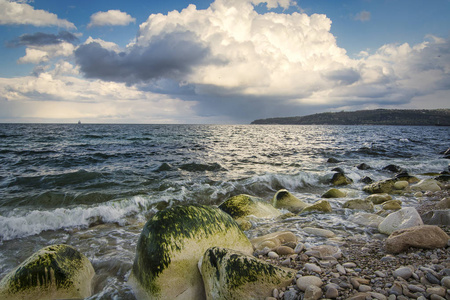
15 13
363 16
40 54
111 18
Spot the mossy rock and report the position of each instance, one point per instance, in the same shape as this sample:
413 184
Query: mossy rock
359 204
334 193
54 272
284 199
319 206
392 205
232 275
170 246
340 179
245 205
380 187
379 198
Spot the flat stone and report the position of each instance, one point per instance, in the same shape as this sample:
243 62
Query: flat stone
426 185
273 240
331 293
446 282
436 297
341 269
380 274
379 198
432 279
416 289
401 219
284 250
319 232
403 272
378 296
366 219
364 288
305 281
349 265
299 248
396 289
313 268
359 296
273 254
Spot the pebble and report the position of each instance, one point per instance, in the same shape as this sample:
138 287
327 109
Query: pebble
380 274
378 296
331 293
305 281
319 232
446 282
313 268
272 254
299 248
396 289
403 272
290 295
341 269
416 289
432 279
364 288
349 265
438 290
355 283
436 297
313 293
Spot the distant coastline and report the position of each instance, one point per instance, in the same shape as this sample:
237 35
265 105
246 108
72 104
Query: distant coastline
407 117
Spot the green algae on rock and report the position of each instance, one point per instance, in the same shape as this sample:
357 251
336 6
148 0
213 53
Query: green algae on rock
54 272
334 193
380 187
170 245
229 274
284 199
359 204
319 206
245 205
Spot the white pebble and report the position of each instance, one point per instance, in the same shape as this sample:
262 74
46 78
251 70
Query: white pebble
313 268
340 269
272 254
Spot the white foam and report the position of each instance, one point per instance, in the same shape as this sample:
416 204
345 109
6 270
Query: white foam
34 222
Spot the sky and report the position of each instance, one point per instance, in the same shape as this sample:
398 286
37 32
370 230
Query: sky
219 62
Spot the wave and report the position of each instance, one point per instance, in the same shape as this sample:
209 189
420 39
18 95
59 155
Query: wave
23 224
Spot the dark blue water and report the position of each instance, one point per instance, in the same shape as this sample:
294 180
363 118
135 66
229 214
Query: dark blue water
94 186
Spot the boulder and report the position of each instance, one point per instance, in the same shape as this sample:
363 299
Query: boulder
392 205
426 185
401 219
320 206
332 160
366 219
380 187
284 199
401 185
359 204
437 217
379 198
242 206
334 193
363 166
425 237
170 246
393 168
229 274
406 177
273 240
340 179
54 272
443 204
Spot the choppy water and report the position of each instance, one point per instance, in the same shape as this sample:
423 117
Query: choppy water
94 186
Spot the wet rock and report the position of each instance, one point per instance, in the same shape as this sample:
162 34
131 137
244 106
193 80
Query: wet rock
319 206
401 185
379 198
334 193
392 205
363 166
54 272
323 251
340 179
393 168
332 160
273 240
284 199
319 232
359 204
229 274
305 281
426 185
404 218
366 219
426 236
380 187
366 180
170 246
403 272
241 206
338 170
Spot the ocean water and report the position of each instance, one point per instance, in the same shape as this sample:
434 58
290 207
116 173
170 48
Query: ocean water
94 186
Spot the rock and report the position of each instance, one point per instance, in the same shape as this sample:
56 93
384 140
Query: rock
320 206
299 248
313 268
392 205
358 204
273 240
364 288
445 282
437 290
230 274
305 281
338 170
437 217
340 179
332 160
323 251
272 254
426 185
401 219
341 269
377 296
284 250
334 193
170 246
393 169
380 187
379 198
319 232
284 199
401 185
312 292
54 272
290 295
443 204
403 272
359 296
426 237
366 219
406 177
241 206
331 293
366 180
363 166
396 289
432 279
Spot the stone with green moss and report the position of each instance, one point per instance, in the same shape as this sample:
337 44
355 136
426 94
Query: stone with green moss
340 179
334 193
242 206
319 206
54 272
359 204
170 246
379 187
284 199
232 275
392 205
379 198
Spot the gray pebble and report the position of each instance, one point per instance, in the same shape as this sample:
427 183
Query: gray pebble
416 289
364 288
290 295
380 274
331 293
438 290
349 265
403 272
446 282
392 297
396 289
436 297
341 269
272 254
313 268
432 279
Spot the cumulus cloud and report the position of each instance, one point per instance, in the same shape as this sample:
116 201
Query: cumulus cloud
363 16
20 13
40 54
111 18
41 39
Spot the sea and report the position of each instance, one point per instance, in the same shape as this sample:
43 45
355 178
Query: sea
94 186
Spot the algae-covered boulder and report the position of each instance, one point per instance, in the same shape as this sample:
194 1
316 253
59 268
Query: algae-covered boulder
379 198
241 206
170 246
54 272
358 204
229 275
340 179
284 199
379 187
334 193
392 205
319 206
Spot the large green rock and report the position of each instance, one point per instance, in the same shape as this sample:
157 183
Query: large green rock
170 246
359 204
284 199
340 179
242 206
54 272
379 187
319 206
334 193
231 275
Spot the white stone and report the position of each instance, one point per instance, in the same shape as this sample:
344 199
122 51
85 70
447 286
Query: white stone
426 185
341 269
401 219
299 248
305 281
366 219
313 268
401 185
272 254
319 232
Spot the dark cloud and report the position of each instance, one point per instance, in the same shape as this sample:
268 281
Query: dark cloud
167 56
43 39
344 76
